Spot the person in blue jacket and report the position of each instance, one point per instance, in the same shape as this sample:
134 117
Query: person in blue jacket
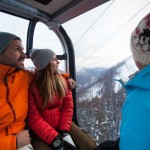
135 124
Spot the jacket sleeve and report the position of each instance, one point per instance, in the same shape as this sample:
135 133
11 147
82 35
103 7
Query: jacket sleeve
67 112
8 142
37 123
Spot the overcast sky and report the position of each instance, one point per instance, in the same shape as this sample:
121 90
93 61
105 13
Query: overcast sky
101 37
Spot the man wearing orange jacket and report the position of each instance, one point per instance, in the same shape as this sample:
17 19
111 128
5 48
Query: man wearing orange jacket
14 82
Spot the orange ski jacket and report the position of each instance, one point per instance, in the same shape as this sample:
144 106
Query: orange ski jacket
13 104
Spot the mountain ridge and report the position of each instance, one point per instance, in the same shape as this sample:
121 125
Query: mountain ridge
100 99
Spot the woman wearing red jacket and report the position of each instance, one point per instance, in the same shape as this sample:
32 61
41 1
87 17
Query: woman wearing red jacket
50 101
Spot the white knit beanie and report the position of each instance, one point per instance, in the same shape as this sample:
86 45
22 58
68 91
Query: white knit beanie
140 41
5 39
41 57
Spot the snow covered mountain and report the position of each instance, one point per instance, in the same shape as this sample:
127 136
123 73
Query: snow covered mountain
100 98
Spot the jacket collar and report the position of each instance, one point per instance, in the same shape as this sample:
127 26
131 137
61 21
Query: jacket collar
141 79
6 70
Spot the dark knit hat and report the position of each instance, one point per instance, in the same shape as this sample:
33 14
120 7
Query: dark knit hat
41 57
5 39
140 41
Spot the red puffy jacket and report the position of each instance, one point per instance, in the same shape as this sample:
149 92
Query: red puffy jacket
57 116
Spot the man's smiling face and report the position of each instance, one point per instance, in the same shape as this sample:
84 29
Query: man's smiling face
13 55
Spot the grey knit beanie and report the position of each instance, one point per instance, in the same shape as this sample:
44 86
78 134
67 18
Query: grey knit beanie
5 39
41 57
140 41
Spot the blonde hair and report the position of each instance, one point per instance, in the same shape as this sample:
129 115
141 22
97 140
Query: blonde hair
50 84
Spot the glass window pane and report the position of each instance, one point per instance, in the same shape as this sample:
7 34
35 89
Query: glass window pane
45 38
17 26
14 25
101 39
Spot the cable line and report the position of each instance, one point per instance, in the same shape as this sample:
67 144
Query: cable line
112 35
92 24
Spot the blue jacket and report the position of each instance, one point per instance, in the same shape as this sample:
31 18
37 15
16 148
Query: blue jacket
135 125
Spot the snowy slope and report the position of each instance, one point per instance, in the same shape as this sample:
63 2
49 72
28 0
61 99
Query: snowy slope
95 83
100 99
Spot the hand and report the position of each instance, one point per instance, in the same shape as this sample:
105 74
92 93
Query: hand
71 83
57 143
110 145
60 144
67 138
68 146
23 138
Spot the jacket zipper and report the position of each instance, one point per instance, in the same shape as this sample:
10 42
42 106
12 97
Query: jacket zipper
6 130
7 98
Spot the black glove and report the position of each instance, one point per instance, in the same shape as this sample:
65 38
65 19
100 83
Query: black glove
67 141
57 144
108 145
66 137
68 146
62 133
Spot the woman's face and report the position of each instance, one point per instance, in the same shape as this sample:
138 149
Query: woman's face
54 64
